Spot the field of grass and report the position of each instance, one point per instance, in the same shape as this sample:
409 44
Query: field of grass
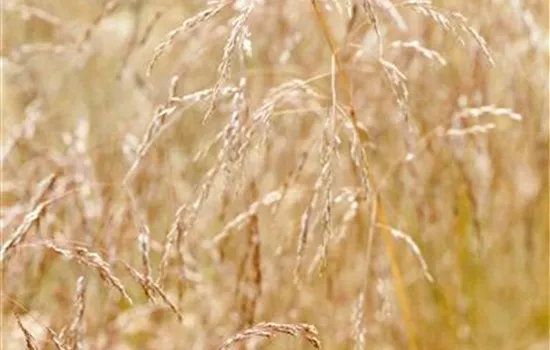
275 174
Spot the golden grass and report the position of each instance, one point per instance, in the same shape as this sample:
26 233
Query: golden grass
211 175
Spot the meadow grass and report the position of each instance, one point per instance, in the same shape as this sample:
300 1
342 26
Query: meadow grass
261 174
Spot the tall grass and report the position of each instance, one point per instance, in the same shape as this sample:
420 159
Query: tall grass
275 174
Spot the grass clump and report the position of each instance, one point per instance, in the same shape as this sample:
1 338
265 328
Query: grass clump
212 175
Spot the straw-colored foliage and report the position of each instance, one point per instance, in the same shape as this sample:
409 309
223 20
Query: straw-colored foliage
274 174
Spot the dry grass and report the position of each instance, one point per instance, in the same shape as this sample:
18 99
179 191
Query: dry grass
358 174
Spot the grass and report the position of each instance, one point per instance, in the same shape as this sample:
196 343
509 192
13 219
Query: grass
275 174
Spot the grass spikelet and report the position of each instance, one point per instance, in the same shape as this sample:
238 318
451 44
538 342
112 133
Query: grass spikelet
475 129
161 120
187 25
177 233
95 261
30 342
432 55
25 130
398 83
254 243
39 206
238 27
490 109
326 215
327 160
154 129
413 247
453 22
305 226
358 322
231 153
72 336
56 339
144 236
271 329
153 290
